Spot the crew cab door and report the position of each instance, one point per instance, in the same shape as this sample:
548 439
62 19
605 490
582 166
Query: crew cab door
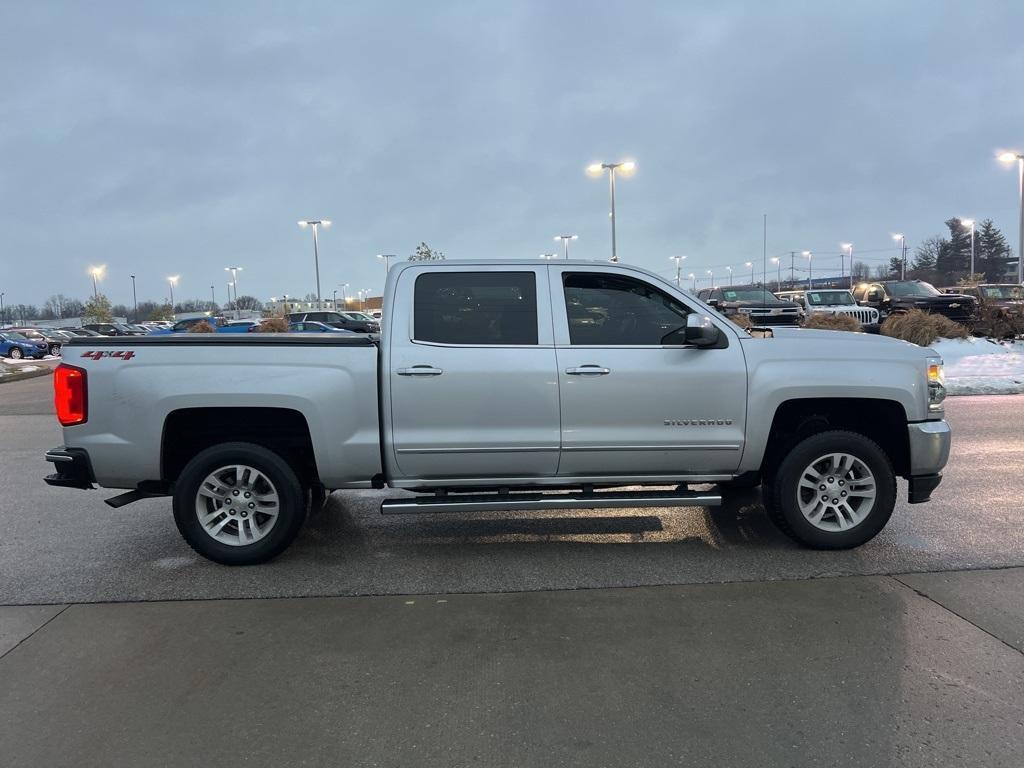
632 405
471 379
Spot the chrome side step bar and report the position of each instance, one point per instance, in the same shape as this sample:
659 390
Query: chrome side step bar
498 502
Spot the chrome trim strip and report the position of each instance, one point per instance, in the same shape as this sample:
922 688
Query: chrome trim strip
58 458
722 447
499 449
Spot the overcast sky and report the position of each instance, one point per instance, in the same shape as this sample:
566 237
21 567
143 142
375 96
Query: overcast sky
180 137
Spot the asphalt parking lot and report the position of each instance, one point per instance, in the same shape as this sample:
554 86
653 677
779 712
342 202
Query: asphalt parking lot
60 546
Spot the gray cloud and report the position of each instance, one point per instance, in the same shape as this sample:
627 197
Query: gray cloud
178 138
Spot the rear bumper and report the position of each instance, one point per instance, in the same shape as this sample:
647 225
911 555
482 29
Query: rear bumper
74 470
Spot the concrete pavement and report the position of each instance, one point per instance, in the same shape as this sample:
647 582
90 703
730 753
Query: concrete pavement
860 671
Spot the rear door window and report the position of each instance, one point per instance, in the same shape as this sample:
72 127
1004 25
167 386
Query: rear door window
476 308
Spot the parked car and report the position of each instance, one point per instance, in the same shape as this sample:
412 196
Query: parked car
495 383
112 329
349 321
1000 312
759 304
894 296
80 331
50 338
833 301
238 326
16 346
312 326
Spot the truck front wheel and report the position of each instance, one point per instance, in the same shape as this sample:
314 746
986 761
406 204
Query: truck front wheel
833 490
238 504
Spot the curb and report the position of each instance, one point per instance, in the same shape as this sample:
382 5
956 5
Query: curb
45 371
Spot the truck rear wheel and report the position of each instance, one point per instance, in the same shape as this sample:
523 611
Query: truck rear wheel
833 490
238 504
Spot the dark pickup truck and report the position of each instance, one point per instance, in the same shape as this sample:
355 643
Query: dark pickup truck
895 296
761 306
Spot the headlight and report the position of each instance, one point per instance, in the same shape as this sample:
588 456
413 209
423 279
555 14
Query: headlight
936 384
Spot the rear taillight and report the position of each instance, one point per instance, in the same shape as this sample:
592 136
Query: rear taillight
70 397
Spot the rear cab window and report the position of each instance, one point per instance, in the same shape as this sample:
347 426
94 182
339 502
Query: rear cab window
476 308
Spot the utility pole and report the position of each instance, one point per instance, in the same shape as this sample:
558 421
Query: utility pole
135 300
792 266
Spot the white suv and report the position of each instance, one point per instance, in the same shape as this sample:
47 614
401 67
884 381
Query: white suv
833 301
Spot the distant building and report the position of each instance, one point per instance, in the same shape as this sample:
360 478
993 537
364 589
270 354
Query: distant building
284 305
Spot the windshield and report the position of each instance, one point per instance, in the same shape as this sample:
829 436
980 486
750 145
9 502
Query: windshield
1003 291
829 298
747 294
15 336
358 316
912 288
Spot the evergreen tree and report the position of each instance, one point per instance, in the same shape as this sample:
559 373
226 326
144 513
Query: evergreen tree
893 270
927 257
992 252
955 261
97 310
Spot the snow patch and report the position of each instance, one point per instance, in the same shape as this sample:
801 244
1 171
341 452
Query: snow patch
982 366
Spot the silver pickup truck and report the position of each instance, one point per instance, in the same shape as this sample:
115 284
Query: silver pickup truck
505 385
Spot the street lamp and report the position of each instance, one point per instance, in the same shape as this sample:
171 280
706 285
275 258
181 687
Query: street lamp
213 298
565 242
778 280
730 274
679 263
970 223
694 278
903 253
344 296
135 299
712 275
97 274
234 282
751 265
316 224
807 254
596 169
2 314
1009 157
847 248
171 282
387 262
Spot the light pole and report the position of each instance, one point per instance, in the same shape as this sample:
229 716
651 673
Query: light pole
234 283
778 280
847 248
387 262
679 264
808 255
903 254
135 300
565 242
316 224
344 296
1009 157
751 265
2 313
712 276
213 298
334 300
729 269
596 169
970 223
171 282
694 278
97 274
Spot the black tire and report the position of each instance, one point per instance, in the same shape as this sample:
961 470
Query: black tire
16 353
54 350
782 487
291 508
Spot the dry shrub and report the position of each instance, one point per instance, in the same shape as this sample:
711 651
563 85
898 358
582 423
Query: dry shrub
201 327
823 322
272 325
922 328
743 321
997 323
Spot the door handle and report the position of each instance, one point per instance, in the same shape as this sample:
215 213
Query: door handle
420 370
588 370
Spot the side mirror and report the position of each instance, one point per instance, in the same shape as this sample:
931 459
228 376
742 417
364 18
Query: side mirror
713 303
698 331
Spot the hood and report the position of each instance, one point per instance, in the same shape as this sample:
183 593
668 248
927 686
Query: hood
769 302
861 344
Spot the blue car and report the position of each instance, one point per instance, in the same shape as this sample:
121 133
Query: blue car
220 325
17 345
311 326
